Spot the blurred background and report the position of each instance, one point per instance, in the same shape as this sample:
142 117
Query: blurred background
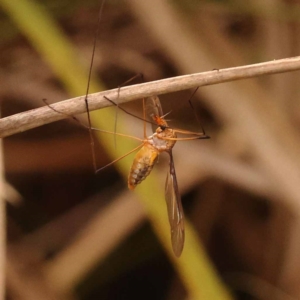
72 234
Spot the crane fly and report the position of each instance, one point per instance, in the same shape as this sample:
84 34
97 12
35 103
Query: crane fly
162 139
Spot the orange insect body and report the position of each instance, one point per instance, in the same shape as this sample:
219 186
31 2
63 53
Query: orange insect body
142 165
147 156
162 140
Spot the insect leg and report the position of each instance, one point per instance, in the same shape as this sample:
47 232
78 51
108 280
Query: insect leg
92 143
114 161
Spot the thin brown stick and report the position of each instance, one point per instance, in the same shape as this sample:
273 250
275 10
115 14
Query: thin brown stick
40 116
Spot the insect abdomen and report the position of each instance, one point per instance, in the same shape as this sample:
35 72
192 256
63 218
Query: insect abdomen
142 165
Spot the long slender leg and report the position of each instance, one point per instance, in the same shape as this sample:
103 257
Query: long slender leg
144 114
186 139
92 128
127 112
200 135
114 161
191 104
92 143
117 102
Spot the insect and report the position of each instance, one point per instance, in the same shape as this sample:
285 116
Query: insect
162 139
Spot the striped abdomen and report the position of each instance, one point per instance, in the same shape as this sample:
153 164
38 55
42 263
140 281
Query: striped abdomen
142 165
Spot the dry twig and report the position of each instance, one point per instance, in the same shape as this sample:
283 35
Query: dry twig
41 116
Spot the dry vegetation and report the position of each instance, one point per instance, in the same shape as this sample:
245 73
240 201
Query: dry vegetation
74 235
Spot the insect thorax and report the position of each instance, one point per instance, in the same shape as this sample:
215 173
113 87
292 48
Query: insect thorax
161 139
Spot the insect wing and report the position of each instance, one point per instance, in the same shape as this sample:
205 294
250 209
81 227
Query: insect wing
175 211
153 108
